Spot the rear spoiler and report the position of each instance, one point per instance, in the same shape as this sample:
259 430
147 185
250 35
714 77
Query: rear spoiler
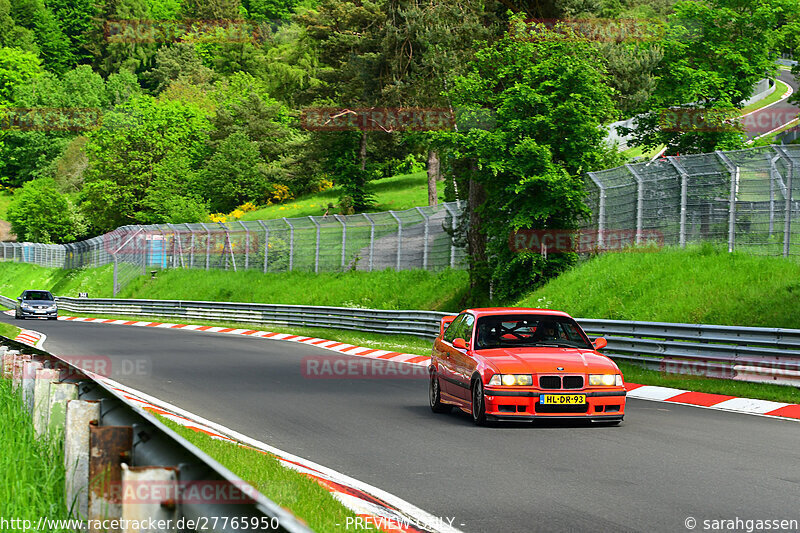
446 322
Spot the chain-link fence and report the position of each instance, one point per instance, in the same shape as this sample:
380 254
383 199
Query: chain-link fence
418 238
747 199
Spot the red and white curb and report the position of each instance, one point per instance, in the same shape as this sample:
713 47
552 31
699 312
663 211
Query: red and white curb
720 402
378 509
31 338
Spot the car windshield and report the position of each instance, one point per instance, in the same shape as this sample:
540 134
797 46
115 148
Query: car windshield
509 331
37 295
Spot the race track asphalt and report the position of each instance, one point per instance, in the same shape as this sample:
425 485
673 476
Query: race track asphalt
663 464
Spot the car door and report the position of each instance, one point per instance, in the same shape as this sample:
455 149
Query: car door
446 353
462 361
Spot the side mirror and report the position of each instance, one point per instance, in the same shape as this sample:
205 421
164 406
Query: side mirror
600 343
460 343
19 298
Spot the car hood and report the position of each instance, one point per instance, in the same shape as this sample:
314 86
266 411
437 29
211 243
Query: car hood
39 302
538 360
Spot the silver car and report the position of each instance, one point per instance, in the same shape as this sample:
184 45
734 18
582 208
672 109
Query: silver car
37 304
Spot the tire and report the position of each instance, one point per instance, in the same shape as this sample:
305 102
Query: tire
52 318
435 396
478 403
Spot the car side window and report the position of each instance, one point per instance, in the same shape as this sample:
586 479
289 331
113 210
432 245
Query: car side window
466 328
452 330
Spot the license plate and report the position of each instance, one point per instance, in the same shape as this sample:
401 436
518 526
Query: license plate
562 399
40 311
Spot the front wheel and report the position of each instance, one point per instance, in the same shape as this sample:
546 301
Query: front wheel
478 404
435 396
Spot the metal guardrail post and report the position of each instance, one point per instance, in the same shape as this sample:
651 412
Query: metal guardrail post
787 224
639 202
399 237
371 239
601 209
425 243
316 247
734 174
291 243
684 198
343 221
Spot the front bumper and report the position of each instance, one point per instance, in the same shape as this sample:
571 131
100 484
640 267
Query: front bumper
28 313
520 403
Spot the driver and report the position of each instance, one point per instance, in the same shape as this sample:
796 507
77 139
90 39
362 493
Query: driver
547 331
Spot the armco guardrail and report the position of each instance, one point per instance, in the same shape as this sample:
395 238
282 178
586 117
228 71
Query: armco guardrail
743 353
130 449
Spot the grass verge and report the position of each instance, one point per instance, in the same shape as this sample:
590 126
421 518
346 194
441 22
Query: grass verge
303 496
777 94
31 471
699 285
396 193
387 289
7 330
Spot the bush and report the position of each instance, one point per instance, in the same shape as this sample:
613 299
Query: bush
40 213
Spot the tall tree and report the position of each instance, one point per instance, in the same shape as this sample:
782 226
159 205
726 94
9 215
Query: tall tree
550 97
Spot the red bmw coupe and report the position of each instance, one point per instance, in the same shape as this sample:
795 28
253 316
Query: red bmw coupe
522 364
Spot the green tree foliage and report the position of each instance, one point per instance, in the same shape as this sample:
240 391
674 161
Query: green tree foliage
144 148
178 62
550 97
714 53
269 10
16 67
236 173
111 51
248 119
40 212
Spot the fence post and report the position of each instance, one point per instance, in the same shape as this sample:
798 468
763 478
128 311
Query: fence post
291 244
208 243
246 245
316 247
639 202
734 172
191 245
601 209
772 176
343 221
266 243
787 223
425 242
453 228
684 198
399 238
371 239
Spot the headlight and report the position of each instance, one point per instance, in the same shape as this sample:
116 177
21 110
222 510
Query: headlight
26 306
605 380
511 379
